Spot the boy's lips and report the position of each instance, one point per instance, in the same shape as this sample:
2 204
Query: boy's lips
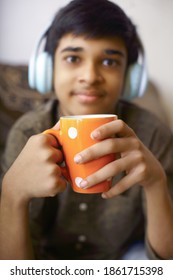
88 96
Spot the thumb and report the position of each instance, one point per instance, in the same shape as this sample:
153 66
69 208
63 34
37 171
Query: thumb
51 135
56 126
52 140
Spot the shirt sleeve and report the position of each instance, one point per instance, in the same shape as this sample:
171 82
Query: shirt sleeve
162 147
31 123
15 143
22 130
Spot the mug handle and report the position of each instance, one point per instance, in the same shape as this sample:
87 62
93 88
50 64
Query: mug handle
57 135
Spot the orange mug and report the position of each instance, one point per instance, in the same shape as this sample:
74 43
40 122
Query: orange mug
74 136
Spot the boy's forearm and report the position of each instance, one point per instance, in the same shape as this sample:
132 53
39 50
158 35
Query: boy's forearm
160 220
15 242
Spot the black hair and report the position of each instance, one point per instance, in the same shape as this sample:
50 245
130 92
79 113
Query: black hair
94 19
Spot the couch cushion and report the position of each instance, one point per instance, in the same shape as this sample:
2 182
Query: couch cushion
16 97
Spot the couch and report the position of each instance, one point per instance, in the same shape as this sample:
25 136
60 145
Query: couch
16 97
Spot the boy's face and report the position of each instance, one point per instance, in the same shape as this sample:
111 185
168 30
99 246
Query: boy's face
89 74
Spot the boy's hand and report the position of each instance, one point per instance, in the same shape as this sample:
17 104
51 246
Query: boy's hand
134 158
35 173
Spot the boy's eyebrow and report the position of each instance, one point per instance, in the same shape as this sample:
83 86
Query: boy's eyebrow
72 49
106 51
114 52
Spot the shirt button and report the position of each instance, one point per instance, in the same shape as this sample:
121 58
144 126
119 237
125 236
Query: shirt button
82 238
78 246
83 206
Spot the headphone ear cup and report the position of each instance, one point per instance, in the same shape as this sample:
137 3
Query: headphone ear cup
43 73
136 81
31 72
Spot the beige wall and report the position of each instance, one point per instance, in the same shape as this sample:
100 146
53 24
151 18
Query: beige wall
154 19
21 22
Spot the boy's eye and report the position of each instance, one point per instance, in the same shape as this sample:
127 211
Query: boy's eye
110 62
72 59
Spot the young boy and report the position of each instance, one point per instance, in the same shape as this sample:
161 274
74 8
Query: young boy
92 45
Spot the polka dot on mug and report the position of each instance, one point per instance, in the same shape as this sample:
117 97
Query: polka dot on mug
72 132
78 181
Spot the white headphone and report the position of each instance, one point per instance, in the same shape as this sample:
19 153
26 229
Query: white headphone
136 77
40 72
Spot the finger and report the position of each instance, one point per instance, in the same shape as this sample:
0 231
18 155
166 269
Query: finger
117 127
108 171
56 126
53 140
106 147
47 139
47 147
123 185
57 182
60 187
125 164
56 155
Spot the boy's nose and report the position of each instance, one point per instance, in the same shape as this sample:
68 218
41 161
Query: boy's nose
90 74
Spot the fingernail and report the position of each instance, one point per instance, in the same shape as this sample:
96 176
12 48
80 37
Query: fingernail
83 184
104 195
95 134
78 158
109 179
